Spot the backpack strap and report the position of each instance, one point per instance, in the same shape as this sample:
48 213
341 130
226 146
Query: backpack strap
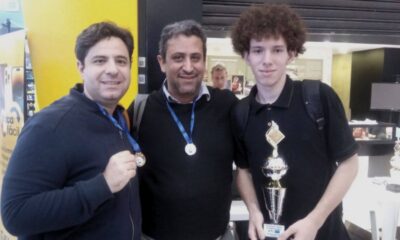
138 110
312 102
241 115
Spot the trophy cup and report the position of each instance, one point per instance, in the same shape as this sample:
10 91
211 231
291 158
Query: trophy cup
393 183
395 162
273 192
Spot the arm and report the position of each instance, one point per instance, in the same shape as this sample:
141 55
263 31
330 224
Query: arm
340 183
35 196
248 194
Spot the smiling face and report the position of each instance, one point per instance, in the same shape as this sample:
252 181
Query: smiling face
106 72
268 59
184 67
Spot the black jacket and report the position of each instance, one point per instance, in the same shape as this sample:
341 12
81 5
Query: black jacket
54 187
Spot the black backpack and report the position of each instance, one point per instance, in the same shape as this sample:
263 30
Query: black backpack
311 99
138 109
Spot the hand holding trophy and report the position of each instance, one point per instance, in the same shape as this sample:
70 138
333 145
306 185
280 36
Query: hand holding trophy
274 194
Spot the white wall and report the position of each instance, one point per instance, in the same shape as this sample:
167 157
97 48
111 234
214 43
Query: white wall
223 47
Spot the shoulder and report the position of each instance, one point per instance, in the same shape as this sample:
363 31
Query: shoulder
316 87
156 96
52 116
328 94
244 102
241 109
325 88
222 95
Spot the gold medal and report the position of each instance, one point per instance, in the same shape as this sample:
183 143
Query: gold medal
140 159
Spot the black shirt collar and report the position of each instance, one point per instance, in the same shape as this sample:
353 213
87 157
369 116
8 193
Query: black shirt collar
283 100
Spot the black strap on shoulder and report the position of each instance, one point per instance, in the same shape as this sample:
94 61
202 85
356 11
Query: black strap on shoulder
138 109
241 114
312 102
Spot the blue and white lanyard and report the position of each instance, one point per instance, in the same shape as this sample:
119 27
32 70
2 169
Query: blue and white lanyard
186 136
121 125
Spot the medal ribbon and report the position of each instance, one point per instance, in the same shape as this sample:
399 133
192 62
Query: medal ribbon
188 138
121 125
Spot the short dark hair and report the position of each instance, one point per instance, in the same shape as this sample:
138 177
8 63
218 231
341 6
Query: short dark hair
97 32
187 28
265 21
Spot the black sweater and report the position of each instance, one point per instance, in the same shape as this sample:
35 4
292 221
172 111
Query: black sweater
53 187
186 197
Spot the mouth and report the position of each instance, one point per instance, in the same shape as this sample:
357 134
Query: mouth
110 83
267 71
187 77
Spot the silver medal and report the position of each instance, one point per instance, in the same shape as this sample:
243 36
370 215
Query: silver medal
190 149
140 159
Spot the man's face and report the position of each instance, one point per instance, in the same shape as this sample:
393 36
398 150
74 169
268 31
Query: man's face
183 66
268 59
219 78
106 71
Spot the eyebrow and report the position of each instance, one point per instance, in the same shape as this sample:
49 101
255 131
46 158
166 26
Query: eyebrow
104 56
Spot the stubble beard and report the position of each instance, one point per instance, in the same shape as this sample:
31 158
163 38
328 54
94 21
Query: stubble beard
182 92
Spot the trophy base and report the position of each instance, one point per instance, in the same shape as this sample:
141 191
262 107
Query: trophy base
273 231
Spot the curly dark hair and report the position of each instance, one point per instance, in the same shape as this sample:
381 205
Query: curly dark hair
265 21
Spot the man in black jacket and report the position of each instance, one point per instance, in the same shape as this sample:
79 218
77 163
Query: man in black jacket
72 172
185 133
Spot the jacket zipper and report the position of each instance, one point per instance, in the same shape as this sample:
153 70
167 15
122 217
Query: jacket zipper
133 226
121 134
130 213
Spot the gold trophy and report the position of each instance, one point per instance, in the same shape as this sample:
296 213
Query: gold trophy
273 192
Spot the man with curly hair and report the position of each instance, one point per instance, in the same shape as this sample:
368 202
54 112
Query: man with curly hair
322 163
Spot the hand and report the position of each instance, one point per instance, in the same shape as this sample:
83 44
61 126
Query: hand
304 229
256 221
120 169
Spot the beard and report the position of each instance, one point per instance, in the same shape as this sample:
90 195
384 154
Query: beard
180 89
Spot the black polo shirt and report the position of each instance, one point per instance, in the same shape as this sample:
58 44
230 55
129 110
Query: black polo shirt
311 154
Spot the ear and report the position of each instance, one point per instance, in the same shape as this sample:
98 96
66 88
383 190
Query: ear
292 56
80 67
161 61
246 57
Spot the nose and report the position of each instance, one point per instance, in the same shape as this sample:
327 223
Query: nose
111 67
187 65
266 58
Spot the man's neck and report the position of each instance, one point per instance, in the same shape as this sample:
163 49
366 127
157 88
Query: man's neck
110 109
183 99
269 94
